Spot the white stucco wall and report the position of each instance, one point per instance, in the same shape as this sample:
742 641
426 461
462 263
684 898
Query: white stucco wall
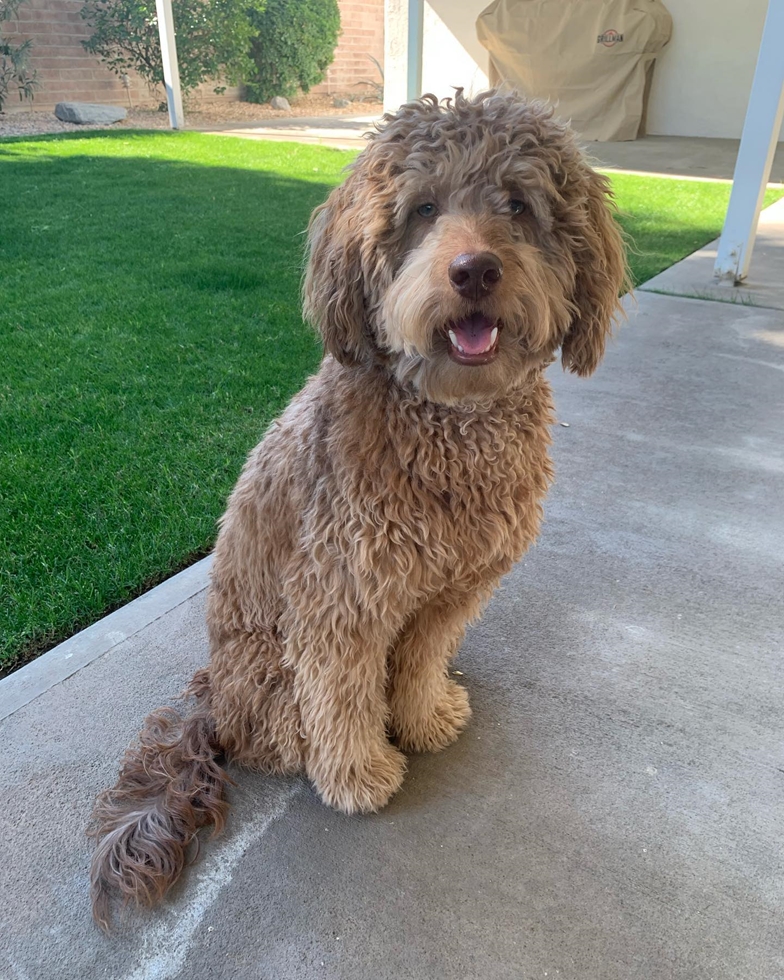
702 79
452 56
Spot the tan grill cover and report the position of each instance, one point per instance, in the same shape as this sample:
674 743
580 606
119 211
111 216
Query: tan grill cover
593 58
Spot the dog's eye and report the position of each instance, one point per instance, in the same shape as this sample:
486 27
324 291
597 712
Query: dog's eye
516 206
427 210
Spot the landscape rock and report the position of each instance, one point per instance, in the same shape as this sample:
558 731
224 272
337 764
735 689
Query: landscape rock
339 103
278 102
89 112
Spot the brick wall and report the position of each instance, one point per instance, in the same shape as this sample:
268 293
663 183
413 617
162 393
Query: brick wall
362 33
66 72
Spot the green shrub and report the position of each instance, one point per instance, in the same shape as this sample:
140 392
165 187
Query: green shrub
213 38
293 47
14 71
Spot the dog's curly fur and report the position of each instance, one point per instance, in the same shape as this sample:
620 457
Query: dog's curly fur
380 511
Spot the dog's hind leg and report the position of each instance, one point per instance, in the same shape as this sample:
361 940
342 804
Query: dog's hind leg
170 786
428 710
253 702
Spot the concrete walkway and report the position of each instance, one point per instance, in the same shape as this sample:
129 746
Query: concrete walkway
340 132
687 156
682 156
615 810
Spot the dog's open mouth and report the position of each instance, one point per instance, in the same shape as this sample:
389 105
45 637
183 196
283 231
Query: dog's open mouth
474 339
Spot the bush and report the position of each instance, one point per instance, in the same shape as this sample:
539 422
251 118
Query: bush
293 47
14 71
213 38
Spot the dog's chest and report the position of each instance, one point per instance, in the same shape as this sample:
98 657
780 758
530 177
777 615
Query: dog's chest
455 502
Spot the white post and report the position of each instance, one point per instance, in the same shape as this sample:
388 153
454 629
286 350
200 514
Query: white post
171 70
755 156
403 36
416 31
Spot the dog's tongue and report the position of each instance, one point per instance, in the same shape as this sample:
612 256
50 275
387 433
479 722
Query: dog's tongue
474 333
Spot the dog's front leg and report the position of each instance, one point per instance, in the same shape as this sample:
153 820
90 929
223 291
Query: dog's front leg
340 671
428 710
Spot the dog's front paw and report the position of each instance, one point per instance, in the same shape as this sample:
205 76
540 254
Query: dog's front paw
431 732
364 786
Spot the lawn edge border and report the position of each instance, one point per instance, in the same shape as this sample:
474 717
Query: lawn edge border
63 661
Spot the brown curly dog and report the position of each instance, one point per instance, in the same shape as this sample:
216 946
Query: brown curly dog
468 243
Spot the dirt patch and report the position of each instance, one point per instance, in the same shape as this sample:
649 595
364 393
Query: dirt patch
199 113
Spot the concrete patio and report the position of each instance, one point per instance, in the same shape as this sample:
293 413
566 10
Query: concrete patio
615 809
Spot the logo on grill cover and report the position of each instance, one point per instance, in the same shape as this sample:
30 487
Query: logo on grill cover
608 38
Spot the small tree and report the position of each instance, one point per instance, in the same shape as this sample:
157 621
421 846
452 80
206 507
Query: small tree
213 38
14 60
293 47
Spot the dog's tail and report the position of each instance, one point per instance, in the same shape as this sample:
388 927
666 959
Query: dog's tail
170 786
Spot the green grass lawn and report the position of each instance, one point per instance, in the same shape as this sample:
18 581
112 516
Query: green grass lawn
149 330
667 219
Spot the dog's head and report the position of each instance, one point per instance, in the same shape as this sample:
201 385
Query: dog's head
470 240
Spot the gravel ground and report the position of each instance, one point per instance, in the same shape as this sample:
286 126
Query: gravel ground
198 115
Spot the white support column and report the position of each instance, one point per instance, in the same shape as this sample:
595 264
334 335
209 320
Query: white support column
416 33
403 37
171 71
755 156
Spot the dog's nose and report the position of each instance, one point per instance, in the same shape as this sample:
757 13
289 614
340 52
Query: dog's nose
474 274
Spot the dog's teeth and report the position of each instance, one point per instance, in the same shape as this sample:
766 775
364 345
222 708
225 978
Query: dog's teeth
455 342
493 336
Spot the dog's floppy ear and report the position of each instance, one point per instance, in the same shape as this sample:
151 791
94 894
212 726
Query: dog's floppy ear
601 277
333 291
